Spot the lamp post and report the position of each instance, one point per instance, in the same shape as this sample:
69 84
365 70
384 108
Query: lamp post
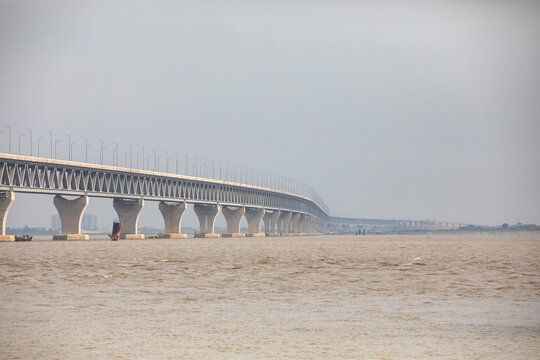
86 146
55 143
130 157
9 137
138 154
143 157
50 143
155 158
69 146
166 161
101 152
20 136
38 140
31 140
71 150
115 154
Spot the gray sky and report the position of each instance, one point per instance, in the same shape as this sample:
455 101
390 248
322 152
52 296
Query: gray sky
417 109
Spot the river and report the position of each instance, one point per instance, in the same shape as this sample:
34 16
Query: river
323 297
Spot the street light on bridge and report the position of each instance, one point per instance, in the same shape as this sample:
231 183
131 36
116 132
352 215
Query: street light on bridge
20 136
38 140
30 131
55 143
9 137
86 146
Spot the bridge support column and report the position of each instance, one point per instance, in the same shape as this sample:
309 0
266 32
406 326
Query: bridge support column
128 212
300 224
270 222
172 215
207 218
6 200
294 223
233 218
284 222
71 212
254 217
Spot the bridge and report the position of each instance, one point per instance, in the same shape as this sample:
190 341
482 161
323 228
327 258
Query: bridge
284 210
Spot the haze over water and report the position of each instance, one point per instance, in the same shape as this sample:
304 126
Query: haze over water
328 297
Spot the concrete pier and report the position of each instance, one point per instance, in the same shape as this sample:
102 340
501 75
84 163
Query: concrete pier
300 225
284 222
233 216
294 223
71 212
128 212
6 200
172 216
254 218
207 218
270 222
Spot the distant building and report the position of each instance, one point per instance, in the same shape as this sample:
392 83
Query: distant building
89 222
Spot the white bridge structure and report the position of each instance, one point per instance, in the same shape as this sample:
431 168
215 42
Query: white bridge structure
282 212
292 210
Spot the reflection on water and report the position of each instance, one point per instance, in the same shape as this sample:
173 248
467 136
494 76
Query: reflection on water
318 297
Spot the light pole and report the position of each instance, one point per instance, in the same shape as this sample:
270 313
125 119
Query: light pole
155 158
138 154
30 131
20 136
50 143
130 157
55 143
176 163
115 154
166 161
101 152
9 137
38 140
86 146
71 150
69 146
143 157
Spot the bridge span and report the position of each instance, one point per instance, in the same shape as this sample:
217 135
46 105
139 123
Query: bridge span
282 212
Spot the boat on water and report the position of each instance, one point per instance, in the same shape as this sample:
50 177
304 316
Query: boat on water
115 231
23 238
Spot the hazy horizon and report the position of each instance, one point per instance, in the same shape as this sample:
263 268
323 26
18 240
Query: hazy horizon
388 110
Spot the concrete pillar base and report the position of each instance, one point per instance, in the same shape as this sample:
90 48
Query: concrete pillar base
273 234
234 235
71 237
7 238
173 236
207 235
259 234
131 236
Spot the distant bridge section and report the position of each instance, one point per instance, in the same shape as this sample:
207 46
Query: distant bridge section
343 225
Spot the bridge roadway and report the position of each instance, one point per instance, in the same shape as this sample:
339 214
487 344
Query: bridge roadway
282 212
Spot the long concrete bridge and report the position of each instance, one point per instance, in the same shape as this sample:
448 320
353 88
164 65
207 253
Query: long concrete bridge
282 212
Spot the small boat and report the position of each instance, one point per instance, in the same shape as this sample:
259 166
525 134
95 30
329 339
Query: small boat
115 231
23 238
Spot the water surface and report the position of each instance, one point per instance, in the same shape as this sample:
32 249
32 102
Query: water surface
327 297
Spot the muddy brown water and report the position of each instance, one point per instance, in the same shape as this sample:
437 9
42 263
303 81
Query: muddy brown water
326 297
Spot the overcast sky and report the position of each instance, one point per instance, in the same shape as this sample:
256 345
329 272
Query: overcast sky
415 109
